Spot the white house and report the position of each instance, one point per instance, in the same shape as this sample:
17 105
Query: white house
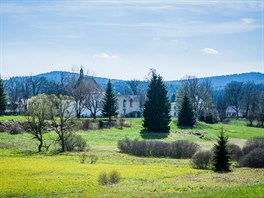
128 105
231 113
174 110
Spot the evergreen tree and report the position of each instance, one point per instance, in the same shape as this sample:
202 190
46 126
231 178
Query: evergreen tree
221 155
157 106
3 100
186 115
109 102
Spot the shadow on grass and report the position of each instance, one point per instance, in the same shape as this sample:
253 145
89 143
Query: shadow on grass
153 135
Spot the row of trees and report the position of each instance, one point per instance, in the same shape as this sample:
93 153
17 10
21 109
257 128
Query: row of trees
246 99
82 89
207 104
58 112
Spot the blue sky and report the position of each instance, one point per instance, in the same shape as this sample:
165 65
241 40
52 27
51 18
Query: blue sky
123 39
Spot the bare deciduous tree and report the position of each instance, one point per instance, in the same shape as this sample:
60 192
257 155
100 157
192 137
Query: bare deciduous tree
234 93
61 114
93 102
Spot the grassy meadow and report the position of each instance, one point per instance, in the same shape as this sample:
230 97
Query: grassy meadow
26 173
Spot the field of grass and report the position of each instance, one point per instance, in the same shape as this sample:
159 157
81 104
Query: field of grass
25 173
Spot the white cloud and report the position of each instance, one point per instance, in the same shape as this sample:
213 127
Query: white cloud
248 20
210 51
105 56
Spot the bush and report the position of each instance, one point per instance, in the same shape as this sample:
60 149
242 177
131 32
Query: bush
201 159
114 177
236 151
102 178
254 159
15 129
75 143
83 157
93 158
87 124
125 145
253 144
177 149
183 149
122 123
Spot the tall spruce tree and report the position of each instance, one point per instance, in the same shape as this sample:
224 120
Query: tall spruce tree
186 117
3 100
109 102
221 154
157 106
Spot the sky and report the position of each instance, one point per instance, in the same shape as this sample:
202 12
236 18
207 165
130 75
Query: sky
124 39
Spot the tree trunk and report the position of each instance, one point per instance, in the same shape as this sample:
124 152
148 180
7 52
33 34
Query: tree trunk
94 116
62 145
40 145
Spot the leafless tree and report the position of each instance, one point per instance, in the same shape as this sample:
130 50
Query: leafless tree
234 93
13 93
61 115
93 102
79 88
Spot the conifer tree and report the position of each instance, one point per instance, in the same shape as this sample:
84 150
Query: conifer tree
109 102
3 100
157 106
221 154
186 115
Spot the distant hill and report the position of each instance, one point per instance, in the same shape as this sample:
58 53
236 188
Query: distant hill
120 86
219 82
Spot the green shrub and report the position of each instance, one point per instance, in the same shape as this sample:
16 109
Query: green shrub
114 177
254 159
75 143
102 178
201 159
93 158
83 157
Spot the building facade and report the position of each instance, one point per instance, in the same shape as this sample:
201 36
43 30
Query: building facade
128 106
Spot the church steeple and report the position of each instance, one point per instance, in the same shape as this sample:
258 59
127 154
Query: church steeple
81 74
81 77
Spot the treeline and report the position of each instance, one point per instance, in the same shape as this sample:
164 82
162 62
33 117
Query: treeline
236 99
83 90
241 99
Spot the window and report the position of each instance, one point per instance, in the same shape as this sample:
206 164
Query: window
124 103
131 103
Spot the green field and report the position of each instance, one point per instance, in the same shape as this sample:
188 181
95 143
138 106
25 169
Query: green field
25 173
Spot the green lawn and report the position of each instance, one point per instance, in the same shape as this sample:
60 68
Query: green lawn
25 173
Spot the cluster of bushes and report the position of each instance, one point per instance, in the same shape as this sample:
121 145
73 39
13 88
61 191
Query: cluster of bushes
102 124
178 149
13 127
251 155
111 178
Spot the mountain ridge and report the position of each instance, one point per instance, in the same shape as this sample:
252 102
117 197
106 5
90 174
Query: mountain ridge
218 82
